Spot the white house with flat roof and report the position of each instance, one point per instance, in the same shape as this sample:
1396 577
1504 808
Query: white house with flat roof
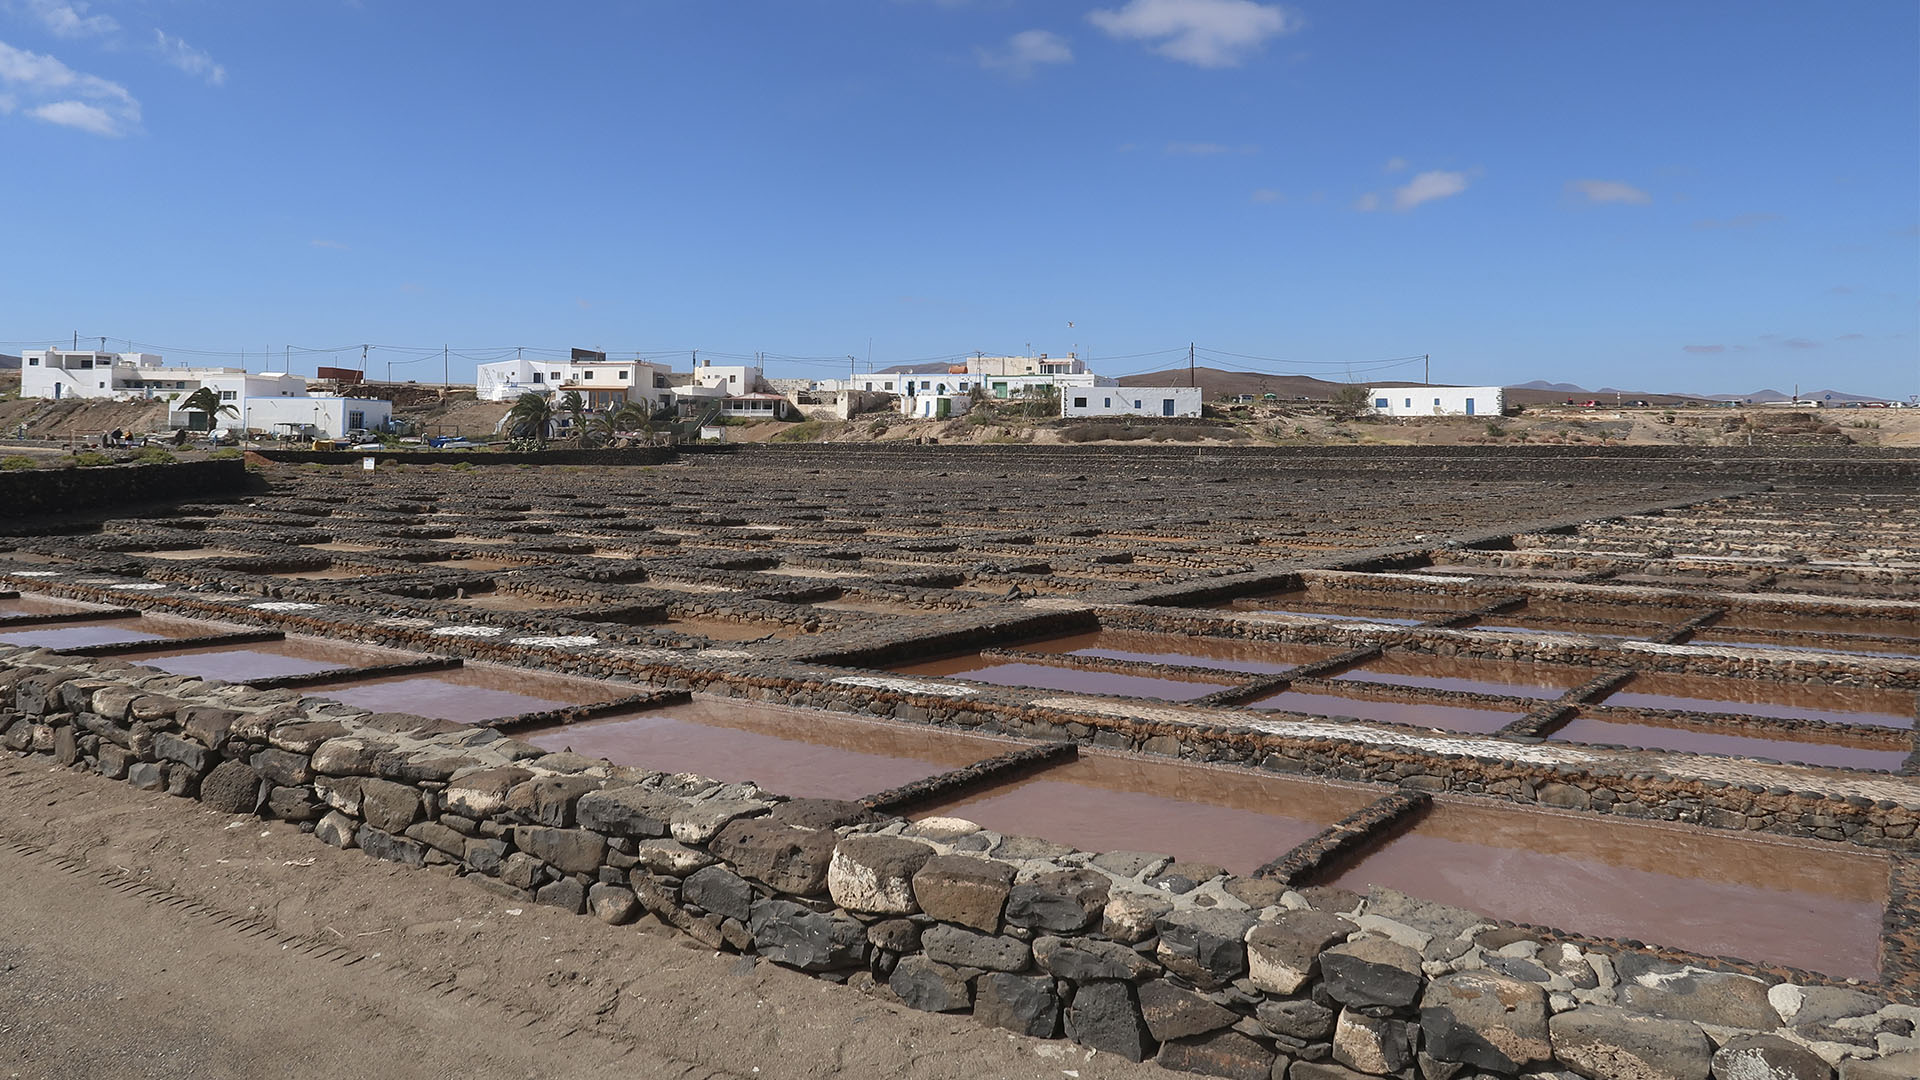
1436 400
318 417
600 383
82 373
1130 401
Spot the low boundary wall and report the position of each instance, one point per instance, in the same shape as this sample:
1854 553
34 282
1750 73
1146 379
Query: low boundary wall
1129 953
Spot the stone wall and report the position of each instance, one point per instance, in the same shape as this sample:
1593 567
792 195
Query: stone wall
637 455
1130 953
57 491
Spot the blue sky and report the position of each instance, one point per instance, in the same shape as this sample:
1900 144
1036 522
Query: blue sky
1699 196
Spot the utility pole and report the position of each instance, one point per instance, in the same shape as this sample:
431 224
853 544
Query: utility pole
1192 374
1427 377
446 379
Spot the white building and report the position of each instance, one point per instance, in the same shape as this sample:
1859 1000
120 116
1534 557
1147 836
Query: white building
600 383
1026 365
932 406
1130 401
81 373
1437 400
734 379
317 417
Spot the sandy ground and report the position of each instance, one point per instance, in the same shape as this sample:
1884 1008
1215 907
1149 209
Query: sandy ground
1259 425
175 942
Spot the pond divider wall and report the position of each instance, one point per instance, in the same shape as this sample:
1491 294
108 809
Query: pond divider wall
1131 953
59 491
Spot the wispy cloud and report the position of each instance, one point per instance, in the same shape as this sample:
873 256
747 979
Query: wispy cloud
1851 337
1268 195
332 244
1608 191
1394 165
1204 33
1026 52
1367 203
46 89
1800 343
1738 221
69 20
1703 349
1206 149
194 62
1428 186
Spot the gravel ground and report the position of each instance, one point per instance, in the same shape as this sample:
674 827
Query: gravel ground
157 939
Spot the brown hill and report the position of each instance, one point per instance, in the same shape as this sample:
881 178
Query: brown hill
1217 383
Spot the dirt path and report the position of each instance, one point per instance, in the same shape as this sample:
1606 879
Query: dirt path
176 942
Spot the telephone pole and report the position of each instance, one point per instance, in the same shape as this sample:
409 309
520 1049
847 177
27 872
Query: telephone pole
446 378
1192 374
1427 377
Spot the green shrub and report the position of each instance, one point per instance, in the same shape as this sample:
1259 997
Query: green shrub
91 457
154 455
1494 430
225 454
804 431
16 462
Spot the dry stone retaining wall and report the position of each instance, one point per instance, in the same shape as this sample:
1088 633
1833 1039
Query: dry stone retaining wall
1131 953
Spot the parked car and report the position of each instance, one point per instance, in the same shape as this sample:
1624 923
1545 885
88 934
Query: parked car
449 442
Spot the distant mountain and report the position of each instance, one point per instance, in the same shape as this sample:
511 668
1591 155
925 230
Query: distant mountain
1556 387
1764 396
938 367
8 361
1215 383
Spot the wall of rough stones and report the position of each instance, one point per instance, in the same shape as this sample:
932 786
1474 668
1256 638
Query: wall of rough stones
637 455
54 491
1129 953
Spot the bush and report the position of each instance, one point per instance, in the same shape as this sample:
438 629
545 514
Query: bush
1495 430
224 454
91 457
16 462
153 455
804 431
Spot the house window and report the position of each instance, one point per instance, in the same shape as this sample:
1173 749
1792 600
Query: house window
1409 403
659 381
356 418
888 385
1136 403
555 376
1380 403
229 395
925 384
33 361
1166 406
536 377
1436 403
733 378
1079 403
623 374
1108 403
103 386
85 364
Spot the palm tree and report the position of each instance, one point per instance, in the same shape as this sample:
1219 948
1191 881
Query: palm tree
575 409
206 401
530 417
602 428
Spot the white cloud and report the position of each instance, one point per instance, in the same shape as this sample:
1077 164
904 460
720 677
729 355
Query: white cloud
70 20
1367 203
1428 186
1026 51
1394 165
51 91
1609 191
77 114
1204 33
1268 195
195 62
1203 149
